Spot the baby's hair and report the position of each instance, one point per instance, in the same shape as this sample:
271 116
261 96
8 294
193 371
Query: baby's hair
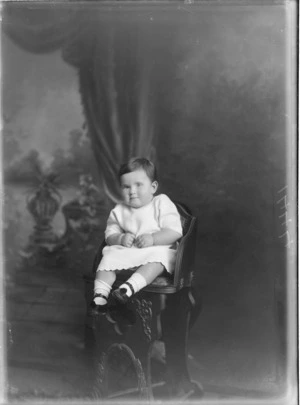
137 163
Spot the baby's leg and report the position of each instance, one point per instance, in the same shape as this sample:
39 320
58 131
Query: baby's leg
150 271
102 286
142 277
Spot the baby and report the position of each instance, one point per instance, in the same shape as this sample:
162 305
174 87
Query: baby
140 234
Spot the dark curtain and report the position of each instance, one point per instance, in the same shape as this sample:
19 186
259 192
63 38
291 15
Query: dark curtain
117 85
117 56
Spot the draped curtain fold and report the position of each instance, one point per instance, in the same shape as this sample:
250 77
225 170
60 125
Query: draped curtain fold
116 60
116 83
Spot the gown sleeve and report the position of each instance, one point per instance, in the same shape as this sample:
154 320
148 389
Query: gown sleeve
113 224
168 215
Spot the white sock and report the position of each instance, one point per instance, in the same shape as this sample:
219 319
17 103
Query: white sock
101 287
137 281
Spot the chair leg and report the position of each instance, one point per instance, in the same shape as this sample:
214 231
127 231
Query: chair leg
122 352
176 317
121 373
195 297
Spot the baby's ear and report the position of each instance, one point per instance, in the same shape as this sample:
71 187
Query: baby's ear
154 186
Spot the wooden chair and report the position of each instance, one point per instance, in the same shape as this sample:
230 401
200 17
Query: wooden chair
160 312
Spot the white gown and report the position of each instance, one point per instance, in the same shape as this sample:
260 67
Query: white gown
160 213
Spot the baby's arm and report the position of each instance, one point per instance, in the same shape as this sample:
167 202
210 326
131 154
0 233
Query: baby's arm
114 239
163 237
169 223
114 232
124 239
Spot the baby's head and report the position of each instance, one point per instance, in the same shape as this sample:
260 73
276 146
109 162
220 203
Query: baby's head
138 179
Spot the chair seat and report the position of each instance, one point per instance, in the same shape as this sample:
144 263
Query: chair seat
162 281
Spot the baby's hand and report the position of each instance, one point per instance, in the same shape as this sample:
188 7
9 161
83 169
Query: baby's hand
127 239
143 241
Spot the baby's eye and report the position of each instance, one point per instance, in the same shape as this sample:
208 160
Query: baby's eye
125 187
139 184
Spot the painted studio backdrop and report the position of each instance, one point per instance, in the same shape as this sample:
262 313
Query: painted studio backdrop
204 91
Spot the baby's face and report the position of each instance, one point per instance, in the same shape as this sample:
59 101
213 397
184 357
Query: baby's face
137 188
